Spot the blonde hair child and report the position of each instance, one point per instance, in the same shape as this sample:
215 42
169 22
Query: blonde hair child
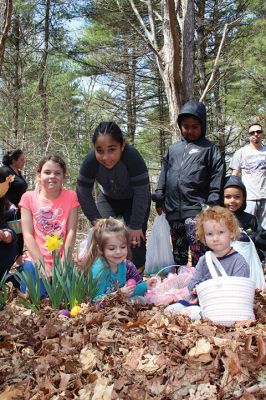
107 260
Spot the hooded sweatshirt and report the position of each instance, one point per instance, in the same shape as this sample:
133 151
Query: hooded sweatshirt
247 221
192 173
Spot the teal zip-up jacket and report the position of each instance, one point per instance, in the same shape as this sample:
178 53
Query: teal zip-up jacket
108 280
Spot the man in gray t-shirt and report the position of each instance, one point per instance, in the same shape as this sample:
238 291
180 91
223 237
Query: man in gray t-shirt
250 162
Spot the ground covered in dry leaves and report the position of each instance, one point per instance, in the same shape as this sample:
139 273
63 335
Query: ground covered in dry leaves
132 352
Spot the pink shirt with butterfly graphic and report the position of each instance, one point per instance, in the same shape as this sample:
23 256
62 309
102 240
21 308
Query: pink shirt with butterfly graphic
49 217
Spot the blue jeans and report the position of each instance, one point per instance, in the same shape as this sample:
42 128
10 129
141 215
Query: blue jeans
28 266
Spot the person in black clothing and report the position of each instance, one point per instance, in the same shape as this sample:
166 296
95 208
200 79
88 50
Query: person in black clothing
124 189
191 178
8 239
235 196
13 162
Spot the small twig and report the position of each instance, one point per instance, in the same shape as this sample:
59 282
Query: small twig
252 389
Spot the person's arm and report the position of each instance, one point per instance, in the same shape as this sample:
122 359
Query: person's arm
71 232
85 185
139 181
158 195
217 168
99 274
27 230
235 163
241 267
198 275
7 235
132 272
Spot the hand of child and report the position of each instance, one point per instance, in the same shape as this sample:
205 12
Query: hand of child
127 291
5 236
135 236
2 236
159 210
151 282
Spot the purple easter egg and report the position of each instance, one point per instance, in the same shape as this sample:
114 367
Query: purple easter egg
66 313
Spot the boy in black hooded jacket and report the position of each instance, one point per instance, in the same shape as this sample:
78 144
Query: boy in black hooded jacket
191 177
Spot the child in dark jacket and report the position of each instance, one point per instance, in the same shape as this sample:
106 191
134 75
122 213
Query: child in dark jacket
192 177
234 199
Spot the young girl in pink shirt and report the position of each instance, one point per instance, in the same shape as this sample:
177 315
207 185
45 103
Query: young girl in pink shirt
49 209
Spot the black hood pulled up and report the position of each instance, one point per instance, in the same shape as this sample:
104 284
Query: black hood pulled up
236 181
194 108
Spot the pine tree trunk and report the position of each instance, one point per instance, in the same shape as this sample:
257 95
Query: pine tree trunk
42 76
6 8
130 86
201 44
16 82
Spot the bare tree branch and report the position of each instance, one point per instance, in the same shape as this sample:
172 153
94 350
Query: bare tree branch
146 40
215 65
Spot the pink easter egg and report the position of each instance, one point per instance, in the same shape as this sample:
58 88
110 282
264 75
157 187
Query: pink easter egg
131 282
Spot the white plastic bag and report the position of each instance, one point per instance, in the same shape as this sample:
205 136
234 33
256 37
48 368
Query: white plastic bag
84 246
159 249
249 252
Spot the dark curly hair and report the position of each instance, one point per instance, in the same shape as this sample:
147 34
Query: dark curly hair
11 155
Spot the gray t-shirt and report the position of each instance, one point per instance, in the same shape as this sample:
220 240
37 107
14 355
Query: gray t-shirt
234 265
252 164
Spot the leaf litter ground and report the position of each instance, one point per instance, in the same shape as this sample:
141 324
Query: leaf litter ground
127 351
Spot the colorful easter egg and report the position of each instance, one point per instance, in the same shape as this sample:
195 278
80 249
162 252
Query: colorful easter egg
66 313
131 282
75 311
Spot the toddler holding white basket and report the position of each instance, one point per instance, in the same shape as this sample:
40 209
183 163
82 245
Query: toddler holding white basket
216 228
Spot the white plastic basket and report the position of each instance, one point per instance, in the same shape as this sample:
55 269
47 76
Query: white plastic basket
225 299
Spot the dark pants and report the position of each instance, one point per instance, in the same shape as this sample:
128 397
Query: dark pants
123 209
183 235
20 244
8 252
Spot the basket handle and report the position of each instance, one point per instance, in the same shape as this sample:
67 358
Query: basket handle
210 259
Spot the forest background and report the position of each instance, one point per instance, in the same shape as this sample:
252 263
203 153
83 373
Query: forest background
65 66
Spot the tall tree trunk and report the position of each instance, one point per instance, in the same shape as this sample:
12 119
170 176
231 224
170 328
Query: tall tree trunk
188 49
175 59
201 44
130 86
6 8
162 132
42 76
16 79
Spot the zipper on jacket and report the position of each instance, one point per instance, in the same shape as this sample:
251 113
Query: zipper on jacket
179 191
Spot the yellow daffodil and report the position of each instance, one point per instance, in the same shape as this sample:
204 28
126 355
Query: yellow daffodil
53 242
